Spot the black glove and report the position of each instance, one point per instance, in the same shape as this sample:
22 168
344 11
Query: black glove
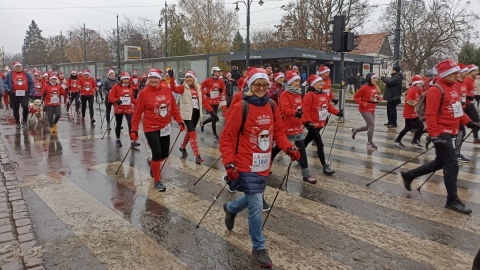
444 138
170 73
308 125
214 115
340 113
298 114
335 101
474 126
119 102
428 140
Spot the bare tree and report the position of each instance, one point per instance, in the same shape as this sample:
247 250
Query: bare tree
96 46
264 39
431 31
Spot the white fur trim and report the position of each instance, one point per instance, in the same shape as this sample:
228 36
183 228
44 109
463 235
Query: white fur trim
415 82
296 77
472 69
278 77
154 74
256 76
315 81
374 75
465 69
191 75
324 71
125 77
449 71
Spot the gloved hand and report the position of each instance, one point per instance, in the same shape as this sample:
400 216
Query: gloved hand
207 94
298 113
214 115
340 113
181 125
308 125
232 173
119 102
170 73
335 101
474 126
293 153
134 135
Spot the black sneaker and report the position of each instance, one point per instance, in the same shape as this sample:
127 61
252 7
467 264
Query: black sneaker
261 256
229 187
229 218
92 121
266 206
399 144
391 126
18 126
159 186
135 144
199 160
184 152
386 124
327 170
353 133
118 143
202 128
24 125
463 159
407 181
458 206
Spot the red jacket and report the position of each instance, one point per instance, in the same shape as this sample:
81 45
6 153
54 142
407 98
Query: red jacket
52 93
72 85
289 103
213 89
157 105
135 82
316 107
367 97
261 128
275 91
180 89
236 98
125 94
461 89
241 84
327 87
470 85
87 86
451 108
37 87
409 110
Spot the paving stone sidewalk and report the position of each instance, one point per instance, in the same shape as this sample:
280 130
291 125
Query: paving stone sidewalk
18 246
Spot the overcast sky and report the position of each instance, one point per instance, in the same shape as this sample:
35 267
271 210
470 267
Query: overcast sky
53 16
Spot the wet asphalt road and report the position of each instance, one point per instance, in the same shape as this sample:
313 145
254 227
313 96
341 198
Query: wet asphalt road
87 217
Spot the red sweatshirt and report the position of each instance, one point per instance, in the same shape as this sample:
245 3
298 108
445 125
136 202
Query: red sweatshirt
135 82
409 110
236 98
451 108
37 87
461 89
87 86
275 91
241 84
261 128
367 97
316 107
52 94
125 94
157 105
72 85
180 89
289 103
213 89
470 85
327 87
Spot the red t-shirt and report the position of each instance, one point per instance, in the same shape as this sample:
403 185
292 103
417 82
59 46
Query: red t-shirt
135 82
213 89
409 110
367 97
72 85
20 81
125 94
316 107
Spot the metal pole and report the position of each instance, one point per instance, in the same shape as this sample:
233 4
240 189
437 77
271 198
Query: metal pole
342 90
118 48
61 47
396 51
166 30
84 43
247 47
3 58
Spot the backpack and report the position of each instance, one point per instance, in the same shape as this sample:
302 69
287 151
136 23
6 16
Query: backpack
422 104
244 118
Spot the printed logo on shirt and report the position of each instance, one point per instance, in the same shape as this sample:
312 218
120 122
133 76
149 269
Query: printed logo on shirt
161 109
264 119
19 81
263 139
160 98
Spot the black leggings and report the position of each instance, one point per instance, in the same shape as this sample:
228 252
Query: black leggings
159 145
19 101
119 119
213 120
409 124
108 108
473 114
301 148
90 105
459 139
74 96
191 124
314 135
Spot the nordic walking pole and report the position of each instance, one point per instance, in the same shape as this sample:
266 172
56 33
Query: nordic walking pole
169 152
208 210
211 166
334 136
107 128
100 110
326 123
285 178
425 181
130 148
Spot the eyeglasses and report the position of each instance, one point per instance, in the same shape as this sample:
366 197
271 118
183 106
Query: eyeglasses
260 85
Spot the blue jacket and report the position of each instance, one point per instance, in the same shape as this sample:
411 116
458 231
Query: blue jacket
8 82
250 183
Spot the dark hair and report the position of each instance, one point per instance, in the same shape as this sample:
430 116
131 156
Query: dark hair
267 65
120 82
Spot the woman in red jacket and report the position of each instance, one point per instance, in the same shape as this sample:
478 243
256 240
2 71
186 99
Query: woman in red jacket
246 156
411 119
87 87
214 89
291 110
367 98
51 93
316 107
157 106
122 97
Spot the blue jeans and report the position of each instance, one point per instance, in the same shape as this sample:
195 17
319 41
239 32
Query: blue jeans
254 203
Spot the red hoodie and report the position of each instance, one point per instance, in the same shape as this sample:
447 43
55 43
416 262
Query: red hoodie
316 107
327 87
213 89
72 85
289 103
157 105
135 82
367 97
52 94
461 89
451 108
470 85
88 86
261 128
125 94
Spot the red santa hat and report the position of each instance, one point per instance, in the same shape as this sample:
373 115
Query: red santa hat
446 67
155 72
228 74
278 75
291 76
73 72
16 64
417 79
35 73
45 74
463 67
144 75
86 72
472 67
53 77
110 71
124 75
191 74
254 74
322 70
80 72
134 73
312 80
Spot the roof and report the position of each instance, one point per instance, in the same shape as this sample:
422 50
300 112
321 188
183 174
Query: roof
374 43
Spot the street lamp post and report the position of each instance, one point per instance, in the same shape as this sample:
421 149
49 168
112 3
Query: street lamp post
396 49
118 48
148 38
247 47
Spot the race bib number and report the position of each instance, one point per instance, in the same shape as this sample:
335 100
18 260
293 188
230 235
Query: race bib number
322 114
126 100
135 81
195 103
214 94
457 109
99 83
260 162
54 98
167 130
39 86
20 93
464 98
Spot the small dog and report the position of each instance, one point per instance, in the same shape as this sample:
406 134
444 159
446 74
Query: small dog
36 109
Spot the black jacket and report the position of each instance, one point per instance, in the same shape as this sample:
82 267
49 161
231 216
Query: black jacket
393 89
236 75
108 84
